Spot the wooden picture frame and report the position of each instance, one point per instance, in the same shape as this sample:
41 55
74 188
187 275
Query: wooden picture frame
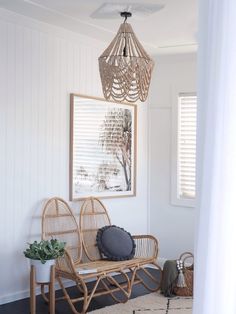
103 139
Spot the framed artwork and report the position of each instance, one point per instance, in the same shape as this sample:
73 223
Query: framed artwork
102 148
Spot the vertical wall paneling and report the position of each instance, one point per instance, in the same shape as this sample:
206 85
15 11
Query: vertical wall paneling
40 65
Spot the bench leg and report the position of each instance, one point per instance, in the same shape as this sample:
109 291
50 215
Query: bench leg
156 282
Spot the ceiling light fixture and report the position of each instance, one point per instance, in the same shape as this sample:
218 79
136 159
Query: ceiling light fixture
125 67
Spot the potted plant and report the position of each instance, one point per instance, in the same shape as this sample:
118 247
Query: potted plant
42 255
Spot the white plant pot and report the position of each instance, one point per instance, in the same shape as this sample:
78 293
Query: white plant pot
42 271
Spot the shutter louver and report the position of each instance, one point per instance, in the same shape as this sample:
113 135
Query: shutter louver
187 125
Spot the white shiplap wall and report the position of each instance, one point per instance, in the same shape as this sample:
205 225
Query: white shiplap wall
39 66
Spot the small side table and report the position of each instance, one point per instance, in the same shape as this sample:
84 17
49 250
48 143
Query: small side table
51 288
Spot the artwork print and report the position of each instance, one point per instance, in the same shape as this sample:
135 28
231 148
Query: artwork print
103 148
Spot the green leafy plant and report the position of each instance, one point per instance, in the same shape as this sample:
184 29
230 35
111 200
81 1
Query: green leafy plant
45 250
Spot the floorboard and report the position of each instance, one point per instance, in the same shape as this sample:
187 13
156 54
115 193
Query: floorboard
62 307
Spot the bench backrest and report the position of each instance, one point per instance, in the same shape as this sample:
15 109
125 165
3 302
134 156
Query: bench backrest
59 222
93 216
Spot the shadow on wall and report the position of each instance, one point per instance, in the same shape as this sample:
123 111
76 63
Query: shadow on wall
35 223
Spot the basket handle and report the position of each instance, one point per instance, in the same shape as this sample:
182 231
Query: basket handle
186 255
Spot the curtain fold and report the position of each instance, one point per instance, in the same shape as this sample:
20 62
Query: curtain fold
215 247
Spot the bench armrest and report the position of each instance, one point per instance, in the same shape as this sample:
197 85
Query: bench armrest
146 246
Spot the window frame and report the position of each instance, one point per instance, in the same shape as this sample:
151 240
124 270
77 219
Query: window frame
175 199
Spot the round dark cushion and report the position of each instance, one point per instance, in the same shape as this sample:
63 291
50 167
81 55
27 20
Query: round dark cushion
115 243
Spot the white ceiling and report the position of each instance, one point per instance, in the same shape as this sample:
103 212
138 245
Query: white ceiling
169 30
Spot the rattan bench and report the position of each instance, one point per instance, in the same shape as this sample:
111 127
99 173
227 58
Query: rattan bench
58 221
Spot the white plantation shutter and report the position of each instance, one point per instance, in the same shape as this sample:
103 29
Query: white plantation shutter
186 155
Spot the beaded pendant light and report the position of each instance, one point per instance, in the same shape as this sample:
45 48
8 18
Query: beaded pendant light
125 67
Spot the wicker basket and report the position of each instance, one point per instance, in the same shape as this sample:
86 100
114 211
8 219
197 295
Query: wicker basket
188 276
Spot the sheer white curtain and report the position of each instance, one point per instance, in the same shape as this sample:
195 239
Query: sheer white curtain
215 263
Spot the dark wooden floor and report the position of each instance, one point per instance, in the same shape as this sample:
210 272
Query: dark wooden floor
62 307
